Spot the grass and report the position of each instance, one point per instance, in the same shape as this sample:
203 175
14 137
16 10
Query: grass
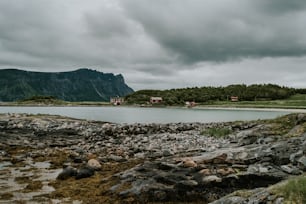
217 132
284 126
293 191
295 101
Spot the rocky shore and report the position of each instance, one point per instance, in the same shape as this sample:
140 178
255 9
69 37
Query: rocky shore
54 159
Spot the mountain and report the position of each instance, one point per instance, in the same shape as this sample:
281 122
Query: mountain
80 85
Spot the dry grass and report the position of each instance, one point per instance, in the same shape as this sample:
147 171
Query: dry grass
94 189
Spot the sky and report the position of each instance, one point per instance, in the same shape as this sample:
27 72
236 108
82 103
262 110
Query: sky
160 44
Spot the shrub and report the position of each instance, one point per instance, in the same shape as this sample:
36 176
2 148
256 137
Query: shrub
217 132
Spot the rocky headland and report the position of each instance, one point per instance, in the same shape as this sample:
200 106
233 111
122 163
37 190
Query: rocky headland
55 159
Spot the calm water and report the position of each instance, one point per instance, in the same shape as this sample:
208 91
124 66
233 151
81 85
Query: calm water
148 115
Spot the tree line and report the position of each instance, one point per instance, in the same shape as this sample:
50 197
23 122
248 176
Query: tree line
206 94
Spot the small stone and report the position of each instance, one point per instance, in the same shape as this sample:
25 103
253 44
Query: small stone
116 158
167 153
263 170
205 172
189 163
190 183
94 164
279 201
210 179
226 171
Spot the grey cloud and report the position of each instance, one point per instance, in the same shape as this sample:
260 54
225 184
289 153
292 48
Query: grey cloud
223 30
281 6
160 43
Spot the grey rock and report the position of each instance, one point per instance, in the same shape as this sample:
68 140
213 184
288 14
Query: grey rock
210 179
302 163
291 170
116 158
67 172
84 172
230 200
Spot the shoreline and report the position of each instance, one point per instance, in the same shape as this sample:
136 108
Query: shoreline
148 163
294 109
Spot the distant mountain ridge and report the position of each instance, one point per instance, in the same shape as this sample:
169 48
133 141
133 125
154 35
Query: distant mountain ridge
79 85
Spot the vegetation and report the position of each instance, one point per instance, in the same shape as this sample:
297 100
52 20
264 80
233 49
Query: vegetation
209 95
288 126
217 132
41 100
293 191
79 85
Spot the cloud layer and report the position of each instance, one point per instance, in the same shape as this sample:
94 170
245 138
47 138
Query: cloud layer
160 43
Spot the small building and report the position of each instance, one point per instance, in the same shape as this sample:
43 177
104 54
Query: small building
117 101
156 100
190 104
234 98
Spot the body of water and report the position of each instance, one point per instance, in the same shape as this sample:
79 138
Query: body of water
148 115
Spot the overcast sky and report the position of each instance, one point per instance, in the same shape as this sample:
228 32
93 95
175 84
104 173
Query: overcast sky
159 44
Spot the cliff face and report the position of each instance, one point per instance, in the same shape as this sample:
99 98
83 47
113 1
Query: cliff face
79 85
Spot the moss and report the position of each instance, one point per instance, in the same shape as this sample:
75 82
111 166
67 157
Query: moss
57 159
95 188
243 193
6 196
33 186
293 191
23 179
284 126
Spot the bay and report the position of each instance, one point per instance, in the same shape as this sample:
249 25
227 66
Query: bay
130 115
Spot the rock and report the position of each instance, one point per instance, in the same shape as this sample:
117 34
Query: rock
294 156
291 170
78 160
67 172
279 201
226 171
230 200
190 183
189 163
302 163
205 172
210 179
84 172
160 195
300 118
167 153
94 164
116 158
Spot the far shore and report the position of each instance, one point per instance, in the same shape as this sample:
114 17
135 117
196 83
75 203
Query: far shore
290 109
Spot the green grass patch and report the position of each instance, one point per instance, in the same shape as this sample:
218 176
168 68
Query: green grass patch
295 101
217 132
294 191
284 125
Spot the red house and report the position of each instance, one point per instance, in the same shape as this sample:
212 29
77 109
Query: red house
234 98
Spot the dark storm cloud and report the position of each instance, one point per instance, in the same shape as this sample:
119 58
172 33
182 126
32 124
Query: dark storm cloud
224 30
159 43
